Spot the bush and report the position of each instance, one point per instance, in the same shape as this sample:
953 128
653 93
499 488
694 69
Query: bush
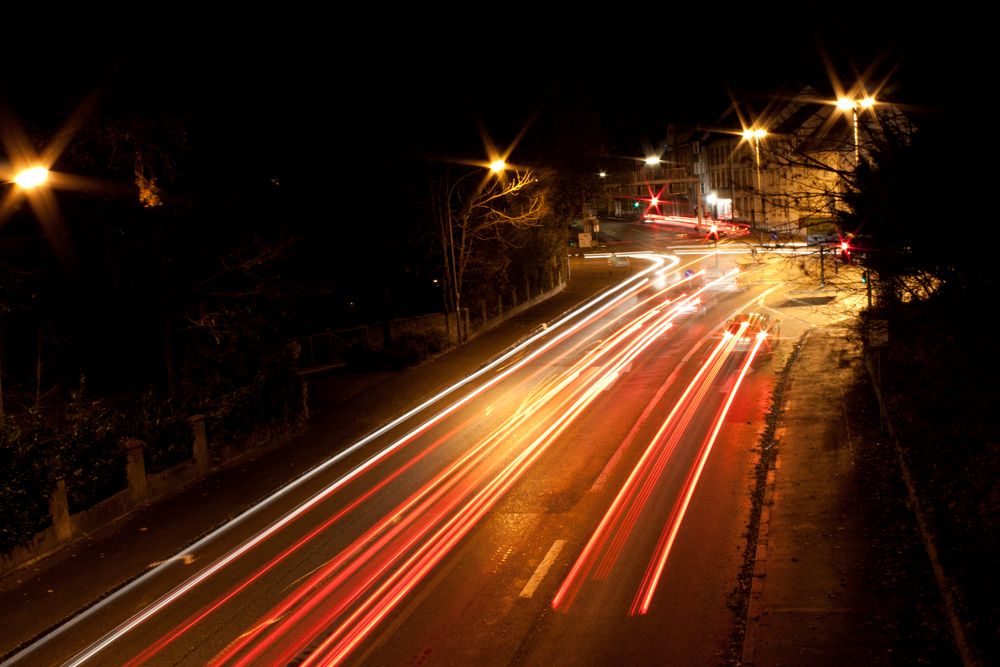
271 402
402 351
93 460
166 432
938 382
28 481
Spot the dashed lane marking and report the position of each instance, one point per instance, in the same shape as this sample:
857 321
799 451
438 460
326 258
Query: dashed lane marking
542 569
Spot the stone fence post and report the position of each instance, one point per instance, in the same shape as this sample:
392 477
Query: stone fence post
200 448
59 510
135 471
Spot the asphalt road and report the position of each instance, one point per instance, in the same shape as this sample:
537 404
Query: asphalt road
581 502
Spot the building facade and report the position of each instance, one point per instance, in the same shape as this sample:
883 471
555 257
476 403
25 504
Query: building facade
788 179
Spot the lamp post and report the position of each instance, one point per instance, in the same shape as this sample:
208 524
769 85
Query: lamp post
454 250
755 134
26 179
653 161
852 105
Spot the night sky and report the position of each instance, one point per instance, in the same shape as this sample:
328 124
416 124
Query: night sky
315 91
341 112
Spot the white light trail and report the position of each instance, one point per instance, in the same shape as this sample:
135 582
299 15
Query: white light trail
552 332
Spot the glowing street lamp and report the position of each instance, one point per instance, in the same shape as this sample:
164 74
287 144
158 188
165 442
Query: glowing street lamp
31 178
497 166
852 105
652 161
755 134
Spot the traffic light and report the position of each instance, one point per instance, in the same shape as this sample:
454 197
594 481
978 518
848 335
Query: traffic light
845 252
713 232
635 204
864 276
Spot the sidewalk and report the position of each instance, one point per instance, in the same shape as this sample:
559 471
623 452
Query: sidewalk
840 576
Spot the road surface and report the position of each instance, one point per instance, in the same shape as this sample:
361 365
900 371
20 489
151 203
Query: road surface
581 500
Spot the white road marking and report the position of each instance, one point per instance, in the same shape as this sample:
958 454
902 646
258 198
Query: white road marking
542 569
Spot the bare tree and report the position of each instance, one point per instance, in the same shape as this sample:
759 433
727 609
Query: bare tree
470 211
244 278
809 159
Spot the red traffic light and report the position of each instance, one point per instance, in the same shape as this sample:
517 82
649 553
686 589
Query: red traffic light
845 252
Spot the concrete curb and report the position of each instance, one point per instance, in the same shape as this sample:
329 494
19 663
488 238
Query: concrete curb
760 557
753 611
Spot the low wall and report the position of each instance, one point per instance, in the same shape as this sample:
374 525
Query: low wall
141 489
519 308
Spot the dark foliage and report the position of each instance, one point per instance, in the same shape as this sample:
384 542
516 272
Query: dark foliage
934 282
91 454
28 480
402 351
166 432
155 288
249 393
908 231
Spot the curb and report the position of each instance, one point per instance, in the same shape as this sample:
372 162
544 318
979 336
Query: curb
760 556
751 614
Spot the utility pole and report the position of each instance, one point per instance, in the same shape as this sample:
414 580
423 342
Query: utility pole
732 186
822 276
698 210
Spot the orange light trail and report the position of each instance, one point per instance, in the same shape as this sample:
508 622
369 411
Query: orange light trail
645 485
352 592
555 333
612 532
306 623
337 649
192 621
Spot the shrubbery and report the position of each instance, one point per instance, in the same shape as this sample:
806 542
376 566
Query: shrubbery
163 425
28 480
403 350
82 442
90 455
937 370
940 396
250 414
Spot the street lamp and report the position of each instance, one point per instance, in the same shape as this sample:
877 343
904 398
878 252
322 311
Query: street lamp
28 183
755 134
852 105
455 251
31 178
